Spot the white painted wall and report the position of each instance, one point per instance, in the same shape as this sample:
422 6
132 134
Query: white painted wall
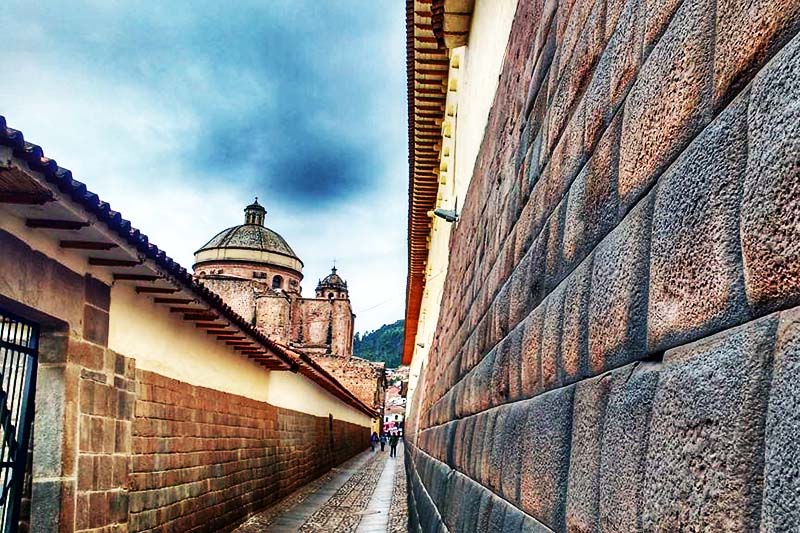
476 77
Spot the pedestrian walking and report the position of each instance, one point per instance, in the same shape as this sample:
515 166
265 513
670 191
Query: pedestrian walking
393 445
373 440
383 441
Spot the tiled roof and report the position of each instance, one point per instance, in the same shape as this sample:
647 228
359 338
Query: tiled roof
251 237
432 28
62 179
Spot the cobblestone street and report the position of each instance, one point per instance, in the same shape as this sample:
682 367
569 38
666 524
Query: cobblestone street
365 494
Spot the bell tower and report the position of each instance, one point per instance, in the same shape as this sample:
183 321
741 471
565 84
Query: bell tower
332 287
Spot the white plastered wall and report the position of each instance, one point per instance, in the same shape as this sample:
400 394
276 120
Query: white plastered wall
473 83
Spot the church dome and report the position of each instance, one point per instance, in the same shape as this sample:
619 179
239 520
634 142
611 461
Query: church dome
333 280
250 242
251 237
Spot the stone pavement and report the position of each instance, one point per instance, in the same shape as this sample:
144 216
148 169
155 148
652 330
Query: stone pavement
365 494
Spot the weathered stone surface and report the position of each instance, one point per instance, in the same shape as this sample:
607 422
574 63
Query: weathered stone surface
98 293
780 510
624 446
618 300
574 360
512 452
551 339
34 280
545 456
669 102
616 69
770 223
747 33
583 491
705 453
628 198
696 273
530 358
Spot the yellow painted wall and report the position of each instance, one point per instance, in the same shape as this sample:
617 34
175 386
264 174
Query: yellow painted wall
164 343
474 73
294 391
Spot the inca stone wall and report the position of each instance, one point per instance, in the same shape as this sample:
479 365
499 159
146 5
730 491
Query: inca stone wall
204 459
619 343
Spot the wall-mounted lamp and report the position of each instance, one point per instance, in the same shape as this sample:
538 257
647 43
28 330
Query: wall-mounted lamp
449 215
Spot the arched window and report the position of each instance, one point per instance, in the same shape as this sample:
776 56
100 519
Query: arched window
277 282
330 295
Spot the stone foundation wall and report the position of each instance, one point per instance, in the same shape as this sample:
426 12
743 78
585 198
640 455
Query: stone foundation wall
203 459
618 340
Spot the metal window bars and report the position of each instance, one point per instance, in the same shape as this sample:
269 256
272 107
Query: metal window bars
19 341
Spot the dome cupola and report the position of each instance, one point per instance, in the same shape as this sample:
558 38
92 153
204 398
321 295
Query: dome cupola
251 243
332 286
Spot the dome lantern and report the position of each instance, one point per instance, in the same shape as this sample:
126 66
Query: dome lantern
254 213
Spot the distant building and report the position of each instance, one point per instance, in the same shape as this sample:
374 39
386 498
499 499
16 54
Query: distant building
258 274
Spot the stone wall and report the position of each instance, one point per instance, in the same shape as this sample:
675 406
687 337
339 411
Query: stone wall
363 378
203 459
618 342
318 319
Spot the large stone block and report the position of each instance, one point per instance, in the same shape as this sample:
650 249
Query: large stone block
545 456
616 69
748 33
705 452
670 101
770 220
618 300
780 510
583 491
551 340
696 273
511 450
530 356
34 280
624 445
574 341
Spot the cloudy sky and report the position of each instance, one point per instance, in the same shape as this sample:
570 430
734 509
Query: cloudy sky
179 113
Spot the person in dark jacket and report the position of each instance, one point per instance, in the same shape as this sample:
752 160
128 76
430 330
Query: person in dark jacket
383 441
373 440
393 440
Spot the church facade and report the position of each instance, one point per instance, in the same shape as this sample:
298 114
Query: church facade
258 274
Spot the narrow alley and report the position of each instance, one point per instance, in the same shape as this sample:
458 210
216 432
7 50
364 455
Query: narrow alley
366 494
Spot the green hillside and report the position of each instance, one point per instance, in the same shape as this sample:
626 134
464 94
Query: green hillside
384 344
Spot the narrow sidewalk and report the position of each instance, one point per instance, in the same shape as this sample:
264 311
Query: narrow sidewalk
376 516
359 496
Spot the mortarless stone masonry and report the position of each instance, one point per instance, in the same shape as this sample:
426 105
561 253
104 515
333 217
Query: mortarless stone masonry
619 332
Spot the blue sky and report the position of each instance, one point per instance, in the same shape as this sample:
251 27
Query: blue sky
178 114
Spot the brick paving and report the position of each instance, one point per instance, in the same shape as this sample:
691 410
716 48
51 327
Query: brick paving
366 493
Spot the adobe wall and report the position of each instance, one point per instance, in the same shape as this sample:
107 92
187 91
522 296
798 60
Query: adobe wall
619 339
